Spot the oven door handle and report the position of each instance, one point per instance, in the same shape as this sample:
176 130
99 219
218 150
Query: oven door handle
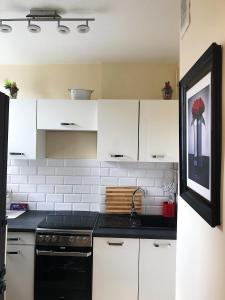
55 253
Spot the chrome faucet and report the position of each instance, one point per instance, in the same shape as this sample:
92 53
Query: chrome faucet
133 212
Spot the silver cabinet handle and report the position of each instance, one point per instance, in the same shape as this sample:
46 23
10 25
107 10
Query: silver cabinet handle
17 153
115 243
117 155
13 239
162 245
55 253
13 252
158 156
68 124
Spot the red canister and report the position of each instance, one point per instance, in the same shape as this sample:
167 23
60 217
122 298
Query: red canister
168 209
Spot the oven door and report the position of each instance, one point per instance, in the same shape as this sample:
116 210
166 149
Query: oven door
62 274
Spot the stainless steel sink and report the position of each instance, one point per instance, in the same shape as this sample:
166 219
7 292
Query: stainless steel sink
139 222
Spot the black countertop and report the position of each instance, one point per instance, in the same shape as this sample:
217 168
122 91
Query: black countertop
29 221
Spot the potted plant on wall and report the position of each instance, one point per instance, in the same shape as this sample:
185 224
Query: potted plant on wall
12 87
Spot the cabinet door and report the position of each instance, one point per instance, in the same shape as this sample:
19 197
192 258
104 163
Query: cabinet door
73 115
22 141
117 130
159 129
20 272
157 270
115 269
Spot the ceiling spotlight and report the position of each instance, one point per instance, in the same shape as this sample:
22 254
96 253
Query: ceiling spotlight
33 28
83 28
5 28
63 29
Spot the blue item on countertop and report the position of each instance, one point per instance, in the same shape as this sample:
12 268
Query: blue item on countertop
19 206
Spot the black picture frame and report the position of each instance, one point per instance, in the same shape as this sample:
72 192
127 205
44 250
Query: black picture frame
208 67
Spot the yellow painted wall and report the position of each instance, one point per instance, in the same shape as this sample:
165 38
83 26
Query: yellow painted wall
112 81
200 248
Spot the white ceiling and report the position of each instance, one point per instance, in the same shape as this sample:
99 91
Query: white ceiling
124 30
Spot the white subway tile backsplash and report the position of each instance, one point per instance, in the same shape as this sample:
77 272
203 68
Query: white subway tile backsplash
109 164
19 197
32 205
67 171
37 179
95 207
19 162
72 180
63 189
79 184
54 198
28 170
95 172
118 172
104 172
90 198
54 179
36 197
55 162
95 189
81 206
46 171
19 179
91 163
72 198
37 163
154 174
145 182
63 206
81 189
45 206
109 181
14 188
136 173
13 170
164 166
45 188
127 181
27 188
91 180
82 171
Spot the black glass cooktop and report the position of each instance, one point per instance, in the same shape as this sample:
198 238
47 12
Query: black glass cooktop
69 220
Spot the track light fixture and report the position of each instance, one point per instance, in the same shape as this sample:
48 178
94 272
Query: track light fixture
62 28
46 16
5 28
83 28
33 28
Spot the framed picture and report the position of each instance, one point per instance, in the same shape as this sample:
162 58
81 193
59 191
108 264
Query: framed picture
200 135
185 18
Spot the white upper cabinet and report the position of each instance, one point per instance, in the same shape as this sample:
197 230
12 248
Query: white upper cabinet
117 130
73 115
159 128
24 141
157 269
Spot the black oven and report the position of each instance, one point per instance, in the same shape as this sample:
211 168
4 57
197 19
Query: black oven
63 266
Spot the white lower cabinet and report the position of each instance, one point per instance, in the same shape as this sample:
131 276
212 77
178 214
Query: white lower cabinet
115 269
133 269
157 269
19 271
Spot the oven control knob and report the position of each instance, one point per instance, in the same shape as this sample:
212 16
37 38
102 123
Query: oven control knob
71 239
47 238
54 238
40 238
